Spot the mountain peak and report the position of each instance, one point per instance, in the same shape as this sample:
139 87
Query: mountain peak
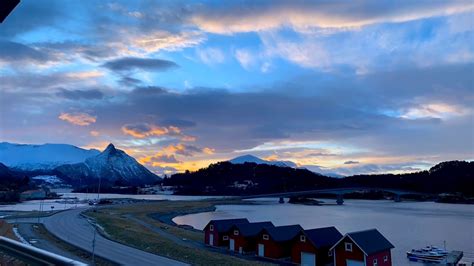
248 158
110 148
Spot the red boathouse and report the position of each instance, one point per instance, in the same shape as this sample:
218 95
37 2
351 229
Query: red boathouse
243 237
275 242
216 232
363 248
311 247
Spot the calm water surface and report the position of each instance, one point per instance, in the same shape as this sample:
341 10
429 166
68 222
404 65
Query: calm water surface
406 224
81 199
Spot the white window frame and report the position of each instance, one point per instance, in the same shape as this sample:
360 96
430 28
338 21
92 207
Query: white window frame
265 237
348 246
225 238
385 258
236 232
211 227
302 238
375 262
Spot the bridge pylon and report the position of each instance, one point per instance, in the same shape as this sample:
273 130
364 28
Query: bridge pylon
397 198
282 200
340 199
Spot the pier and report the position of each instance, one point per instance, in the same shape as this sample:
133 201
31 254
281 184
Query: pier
452 258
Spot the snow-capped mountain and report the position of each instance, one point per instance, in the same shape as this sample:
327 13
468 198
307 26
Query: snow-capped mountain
253 159
111 165
42 157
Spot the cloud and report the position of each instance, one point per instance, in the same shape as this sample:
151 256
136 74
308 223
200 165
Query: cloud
158 159
80 94
245 58
351 162
94 133
187 150
143 130
79 119
244 16
132 63
163 40
433 110
211 55
15 52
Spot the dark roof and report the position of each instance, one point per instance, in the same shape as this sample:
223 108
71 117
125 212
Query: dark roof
225 224
252 229
323 237
370 241
283 233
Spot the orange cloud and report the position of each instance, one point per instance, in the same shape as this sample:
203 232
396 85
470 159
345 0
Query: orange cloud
79 119
94 133
167 155
147 130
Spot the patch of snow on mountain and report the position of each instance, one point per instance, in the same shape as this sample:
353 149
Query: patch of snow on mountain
46 156
253 159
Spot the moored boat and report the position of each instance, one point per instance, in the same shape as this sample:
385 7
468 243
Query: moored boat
427 254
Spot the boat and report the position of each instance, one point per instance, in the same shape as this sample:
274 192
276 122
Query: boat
427 254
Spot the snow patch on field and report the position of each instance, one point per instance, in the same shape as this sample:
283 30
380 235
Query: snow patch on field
17 234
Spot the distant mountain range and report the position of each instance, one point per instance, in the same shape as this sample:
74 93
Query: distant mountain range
73 165
227 178
42 157
253 159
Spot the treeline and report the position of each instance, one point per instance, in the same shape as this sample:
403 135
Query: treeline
225 178
12 184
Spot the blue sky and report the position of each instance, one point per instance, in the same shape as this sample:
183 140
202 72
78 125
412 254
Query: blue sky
335 86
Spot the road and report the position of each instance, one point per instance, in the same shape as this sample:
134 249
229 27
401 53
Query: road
74 229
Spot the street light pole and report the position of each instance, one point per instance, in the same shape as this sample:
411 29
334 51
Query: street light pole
93 248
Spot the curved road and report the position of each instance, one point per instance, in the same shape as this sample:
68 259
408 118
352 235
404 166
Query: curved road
71 227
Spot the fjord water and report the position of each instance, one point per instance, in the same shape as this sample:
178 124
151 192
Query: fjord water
406 224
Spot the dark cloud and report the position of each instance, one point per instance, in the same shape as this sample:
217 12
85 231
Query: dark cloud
351 162
92 94
130 82
163 158
147 64
347 109
13 51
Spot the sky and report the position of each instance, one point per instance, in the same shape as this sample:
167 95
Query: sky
345 87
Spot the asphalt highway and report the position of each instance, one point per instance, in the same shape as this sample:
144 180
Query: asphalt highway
74 229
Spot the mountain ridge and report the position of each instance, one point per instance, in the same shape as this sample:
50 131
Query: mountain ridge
249 158
42 156
112 165
252 178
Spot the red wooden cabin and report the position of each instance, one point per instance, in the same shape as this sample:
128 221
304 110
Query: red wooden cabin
216 232
311 247
275 242
243 237
363 248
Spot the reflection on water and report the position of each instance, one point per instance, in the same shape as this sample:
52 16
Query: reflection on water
406 224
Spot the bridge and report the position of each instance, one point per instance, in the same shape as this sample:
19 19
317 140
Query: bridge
339 192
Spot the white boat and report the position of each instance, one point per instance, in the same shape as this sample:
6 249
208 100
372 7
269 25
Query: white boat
427 254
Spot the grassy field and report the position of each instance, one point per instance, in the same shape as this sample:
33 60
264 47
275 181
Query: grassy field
117 224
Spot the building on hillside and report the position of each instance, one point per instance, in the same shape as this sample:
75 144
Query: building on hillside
216 232
312 247
243 237
363 248
275 242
